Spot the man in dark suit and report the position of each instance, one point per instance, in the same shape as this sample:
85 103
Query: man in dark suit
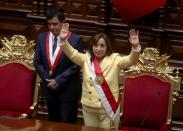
60 77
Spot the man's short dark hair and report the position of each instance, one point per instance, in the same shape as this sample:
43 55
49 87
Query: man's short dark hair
52 12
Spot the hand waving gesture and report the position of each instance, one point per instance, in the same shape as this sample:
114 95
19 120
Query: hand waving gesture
64 31
134 37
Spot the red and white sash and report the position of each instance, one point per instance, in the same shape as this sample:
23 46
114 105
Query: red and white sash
53 60
108 101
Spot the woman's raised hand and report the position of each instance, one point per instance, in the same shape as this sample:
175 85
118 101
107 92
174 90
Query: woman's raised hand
64 31
134 37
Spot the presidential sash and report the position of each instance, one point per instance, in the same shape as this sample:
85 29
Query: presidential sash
53 60
108 101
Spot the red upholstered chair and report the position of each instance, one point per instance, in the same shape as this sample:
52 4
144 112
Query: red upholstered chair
19 81
148 92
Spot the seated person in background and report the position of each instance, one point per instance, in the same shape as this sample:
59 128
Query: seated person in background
100 68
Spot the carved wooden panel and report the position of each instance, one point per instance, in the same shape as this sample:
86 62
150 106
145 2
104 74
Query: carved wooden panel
177 115
81 9
174 16
173 46
19 5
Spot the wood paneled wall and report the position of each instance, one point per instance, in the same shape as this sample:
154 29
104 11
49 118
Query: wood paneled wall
162 28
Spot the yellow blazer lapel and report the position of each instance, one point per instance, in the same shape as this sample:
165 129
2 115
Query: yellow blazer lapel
104 64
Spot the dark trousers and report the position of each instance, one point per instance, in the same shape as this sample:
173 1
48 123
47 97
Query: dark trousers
62 111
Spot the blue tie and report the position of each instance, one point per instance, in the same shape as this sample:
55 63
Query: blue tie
54 45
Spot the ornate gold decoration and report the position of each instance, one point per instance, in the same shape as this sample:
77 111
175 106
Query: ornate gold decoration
17 48
151 62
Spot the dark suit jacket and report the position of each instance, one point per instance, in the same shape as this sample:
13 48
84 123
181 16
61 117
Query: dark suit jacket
66 74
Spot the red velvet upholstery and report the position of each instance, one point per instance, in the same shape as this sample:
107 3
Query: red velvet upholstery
16 89
146 100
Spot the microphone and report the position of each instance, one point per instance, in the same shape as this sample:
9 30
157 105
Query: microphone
148 112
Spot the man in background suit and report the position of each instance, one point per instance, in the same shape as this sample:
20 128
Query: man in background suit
61 77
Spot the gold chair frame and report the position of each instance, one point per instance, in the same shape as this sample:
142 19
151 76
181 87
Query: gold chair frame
152 64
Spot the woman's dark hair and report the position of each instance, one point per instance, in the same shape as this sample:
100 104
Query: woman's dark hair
94 40
52 12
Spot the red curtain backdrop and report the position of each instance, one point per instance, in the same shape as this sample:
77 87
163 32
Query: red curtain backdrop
130 10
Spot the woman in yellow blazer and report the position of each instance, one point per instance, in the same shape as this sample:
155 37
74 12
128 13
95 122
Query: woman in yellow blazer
100 69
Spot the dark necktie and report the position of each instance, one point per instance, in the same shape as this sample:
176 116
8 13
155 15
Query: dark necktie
54 45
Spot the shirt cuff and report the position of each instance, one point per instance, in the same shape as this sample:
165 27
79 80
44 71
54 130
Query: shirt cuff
137 49
62 43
